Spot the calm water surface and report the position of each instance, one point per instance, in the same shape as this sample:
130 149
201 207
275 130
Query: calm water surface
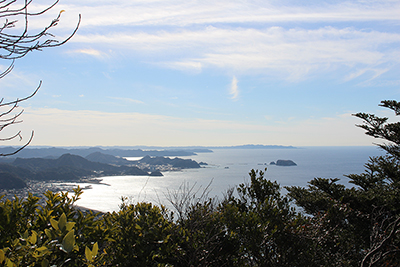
228 168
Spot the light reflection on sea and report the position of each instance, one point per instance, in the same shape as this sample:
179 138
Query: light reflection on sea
228 168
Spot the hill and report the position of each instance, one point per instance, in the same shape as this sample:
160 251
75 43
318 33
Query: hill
11 181
107 158
176 162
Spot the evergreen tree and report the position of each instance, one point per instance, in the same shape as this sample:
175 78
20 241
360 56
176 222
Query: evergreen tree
359 225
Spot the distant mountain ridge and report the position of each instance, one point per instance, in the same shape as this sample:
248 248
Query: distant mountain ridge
153 151
106 158
207 149
254 147
56 152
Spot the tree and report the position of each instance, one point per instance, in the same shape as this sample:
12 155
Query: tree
141 236
383 180
15 44
359 225
260 224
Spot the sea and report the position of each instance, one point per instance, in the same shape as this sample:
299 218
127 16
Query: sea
226 169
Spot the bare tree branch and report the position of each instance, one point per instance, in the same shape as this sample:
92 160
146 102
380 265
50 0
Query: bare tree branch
22 99
14 46
7 71
383 233
20 148
12 137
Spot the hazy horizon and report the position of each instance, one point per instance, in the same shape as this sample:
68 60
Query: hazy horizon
185 147
200 73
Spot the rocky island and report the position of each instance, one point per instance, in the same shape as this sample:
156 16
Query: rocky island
282 162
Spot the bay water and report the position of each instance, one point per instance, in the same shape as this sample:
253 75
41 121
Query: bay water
228 168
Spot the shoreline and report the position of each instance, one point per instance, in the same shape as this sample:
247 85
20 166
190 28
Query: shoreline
38 188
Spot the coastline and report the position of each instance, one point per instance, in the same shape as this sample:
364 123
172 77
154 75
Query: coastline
38 188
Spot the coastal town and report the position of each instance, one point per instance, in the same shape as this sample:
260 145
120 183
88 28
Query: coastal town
38 188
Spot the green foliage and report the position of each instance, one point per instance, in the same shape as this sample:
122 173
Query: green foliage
55 247
336 231
203 238
55 234
91 254
380 188
141 236
262 223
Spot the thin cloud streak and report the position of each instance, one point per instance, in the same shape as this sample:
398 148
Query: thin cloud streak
129 100
234 91
293 52
184 13
91 52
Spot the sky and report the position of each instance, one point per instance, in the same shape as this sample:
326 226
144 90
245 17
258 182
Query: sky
208 73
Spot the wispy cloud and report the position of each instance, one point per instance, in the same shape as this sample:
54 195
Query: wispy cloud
90 52
291 53
189 66
234 90
374 73
185 13
18 84
126 99
242 37
268 117
355 74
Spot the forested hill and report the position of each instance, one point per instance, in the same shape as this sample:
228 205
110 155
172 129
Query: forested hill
66 167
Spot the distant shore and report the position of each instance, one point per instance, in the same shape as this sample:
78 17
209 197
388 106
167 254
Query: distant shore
38 188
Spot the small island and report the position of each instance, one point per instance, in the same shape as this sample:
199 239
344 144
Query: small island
282 162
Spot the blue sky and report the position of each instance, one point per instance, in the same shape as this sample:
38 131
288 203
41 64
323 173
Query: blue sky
180 73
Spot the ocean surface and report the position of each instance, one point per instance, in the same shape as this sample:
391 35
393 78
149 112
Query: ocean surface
228 168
